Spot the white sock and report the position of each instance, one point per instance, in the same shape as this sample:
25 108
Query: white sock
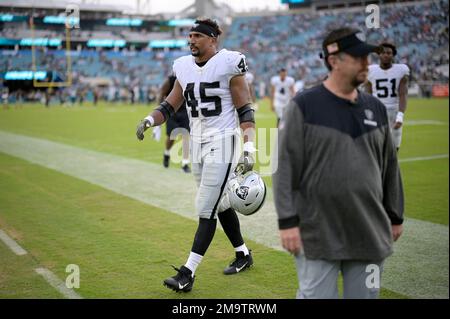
242 248
193 261
167 152
184 161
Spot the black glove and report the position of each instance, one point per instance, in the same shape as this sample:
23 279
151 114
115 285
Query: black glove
141 128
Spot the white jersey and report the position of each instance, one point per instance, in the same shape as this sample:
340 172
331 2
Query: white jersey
385 83
249 78
299 86
207 93
282 93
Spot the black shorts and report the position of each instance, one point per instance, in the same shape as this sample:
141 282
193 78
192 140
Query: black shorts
179 119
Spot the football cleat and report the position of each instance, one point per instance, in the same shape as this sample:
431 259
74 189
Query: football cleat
241 263
182 281
166 160
186 169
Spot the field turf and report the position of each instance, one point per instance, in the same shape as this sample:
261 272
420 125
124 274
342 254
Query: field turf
125 247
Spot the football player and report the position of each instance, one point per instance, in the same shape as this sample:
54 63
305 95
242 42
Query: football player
249 77
282 90
218 101
180 120
388 82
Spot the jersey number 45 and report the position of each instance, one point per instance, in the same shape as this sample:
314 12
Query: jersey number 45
192 102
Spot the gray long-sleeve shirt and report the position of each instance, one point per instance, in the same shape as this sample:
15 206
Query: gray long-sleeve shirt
338 177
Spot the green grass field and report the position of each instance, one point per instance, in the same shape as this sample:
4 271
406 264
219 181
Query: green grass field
125 247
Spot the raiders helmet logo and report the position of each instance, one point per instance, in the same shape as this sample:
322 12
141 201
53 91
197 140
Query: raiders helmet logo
242 192
369 114
361 36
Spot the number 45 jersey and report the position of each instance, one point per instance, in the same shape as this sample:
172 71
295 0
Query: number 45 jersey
385 83
207 93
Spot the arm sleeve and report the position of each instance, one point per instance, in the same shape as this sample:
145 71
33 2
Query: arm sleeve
289 166
393 198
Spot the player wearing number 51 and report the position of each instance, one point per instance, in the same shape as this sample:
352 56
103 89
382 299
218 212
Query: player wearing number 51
389 83
213 84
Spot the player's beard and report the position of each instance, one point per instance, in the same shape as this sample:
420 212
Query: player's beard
386 65
197 53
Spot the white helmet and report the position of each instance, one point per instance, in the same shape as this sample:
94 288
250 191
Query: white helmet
246 192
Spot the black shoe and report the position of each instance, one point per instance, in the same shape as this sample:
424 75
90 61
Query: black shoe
186 168
241 263
182 281
166 160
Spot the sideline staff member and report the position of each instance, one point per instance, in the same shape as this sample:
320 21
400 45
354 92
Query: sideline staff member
338 182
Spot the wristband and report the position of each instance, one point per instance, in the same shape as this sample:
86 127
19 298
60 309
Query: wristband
399 118
150 119
249 147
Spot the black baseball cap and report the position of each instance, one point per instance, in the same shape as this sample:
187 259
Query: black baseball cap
353 44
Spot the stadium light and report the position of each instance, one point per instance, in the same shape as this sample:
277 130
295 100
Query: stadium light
40 42
124 22
106 43
6 41
180 22
170 43
61 20
6 17
25 75
11 18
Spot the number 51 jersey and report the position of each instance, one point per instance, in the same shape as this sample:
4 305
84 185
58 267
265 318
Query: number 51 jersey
385 83
207 93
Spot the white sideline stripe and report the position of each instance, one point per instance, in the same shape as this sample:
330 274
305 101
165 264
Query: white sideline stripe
57 283
423 158
424 122
421 255
406 123
12 244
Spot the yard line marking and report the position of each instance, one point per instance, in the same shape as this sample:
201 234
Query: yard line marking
47 274
423 158
420 258
12 244
57 283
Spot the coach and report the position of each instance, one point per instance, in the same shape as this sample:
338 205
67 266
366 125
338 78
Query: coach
338 190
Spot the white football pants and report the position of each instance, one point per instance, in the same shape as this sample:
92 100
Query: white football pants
395 133
212 165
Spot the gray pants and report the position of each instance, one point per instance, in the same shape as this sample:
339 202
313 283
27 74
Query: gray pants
212 165
318 278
